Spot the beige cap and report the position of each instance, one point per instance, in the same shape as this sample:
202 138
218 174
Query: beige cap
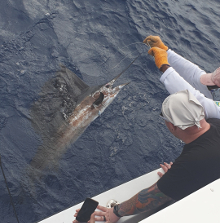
183 110
211 79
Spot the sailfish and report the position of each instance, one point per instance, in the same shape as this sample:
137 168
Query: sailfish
65 108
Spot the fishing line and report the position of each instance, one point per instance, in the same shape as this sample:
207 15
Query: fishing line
128 53
8 190
136 43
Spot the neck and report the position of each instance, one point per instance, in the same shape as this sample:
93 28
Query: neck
192 133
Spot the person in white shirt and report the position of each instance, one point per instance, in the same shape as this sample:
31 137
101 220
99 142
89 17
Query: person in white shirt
181 74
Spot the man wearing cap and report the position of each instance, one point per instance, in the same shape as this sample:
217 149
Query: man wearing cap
206 83
197 166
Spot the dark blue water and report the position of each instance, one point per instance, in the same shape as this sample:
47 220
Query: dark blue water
91 38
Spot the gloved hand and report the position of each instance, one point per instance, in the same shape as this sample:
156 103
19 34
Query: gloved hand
160 56
155 41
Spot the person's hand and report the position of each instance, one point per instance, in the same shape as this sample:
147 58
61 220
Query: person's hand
160 56
165 168
92 218
105 214
155 41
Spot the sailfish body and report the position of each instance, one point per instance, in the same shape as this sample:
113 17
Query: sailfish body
65 108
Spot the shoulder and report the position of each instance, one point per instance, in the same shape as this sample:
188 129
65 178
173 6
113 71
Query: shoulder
214 125
214 121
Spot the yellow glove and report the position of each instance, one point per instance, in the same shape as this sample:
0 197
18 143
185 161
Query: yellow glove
160 56
155 41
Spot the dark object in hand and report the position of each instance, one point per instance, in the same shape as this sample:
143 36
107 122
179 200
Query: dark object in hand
86 210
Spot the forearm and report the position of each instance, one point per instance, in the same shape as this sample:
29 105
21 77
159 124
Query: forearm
174 83
185 68
146 200
189 71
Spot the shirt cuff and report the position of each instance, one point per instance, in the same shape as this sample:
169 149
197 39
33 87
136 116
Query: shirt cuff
166 73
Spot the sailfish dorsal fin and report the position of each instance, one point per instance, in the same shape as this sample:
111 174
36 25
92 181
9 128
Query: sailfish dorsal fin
57 100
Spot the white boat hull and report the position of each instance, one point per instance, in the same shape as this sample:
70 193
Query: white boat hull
120 194
201 206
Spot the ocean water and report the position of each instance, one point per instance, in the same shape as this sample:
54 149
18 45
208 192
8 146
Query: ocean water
96 39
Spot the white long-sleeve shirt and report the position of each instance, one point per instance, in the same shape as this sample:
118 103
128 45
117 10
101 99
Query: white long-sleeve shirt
185 75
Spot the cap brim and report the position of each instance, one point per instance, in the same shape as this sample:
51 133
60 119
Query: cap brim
206 79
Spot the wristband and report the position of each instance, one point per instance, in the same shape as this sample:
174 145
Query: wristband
115 211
